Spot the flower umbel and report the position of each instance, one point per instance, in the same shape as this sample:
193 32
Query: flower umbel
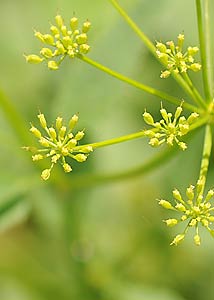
195 210
58 143
62 41
174 58
170 128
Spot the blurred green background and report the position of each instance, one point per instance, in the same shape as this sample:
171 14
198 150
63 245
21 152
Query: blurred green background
75 237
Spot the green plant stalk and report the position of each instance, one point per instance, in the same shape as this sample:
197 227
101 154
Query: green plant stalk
113 141
145 88
200 100
204 39
206 155
152 48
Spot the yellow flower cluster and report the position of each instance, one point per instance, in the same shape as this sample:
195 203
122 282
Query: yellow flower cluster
62 41
174 59
170 128
58 143
195 210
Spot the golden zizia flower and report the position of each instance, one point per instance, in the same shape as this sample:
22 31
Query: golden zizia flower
170 128
58 143
173 57
60 42
195 210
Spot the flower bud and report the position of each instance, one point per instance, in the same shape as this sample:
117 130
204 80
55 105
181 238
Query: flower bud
161 47
81 38
86 149
86 26
182 145
192 50
48 39
67 168
65 151
180 207
59 20
177 195
36 132
54 158
67 41
33 59
44 142
39 35
195 67
154 142
54 30
62 132
178 239
80 157
58 123
210 194
71 144
190 192
178 112
193 222
171 222
52 133
53 65
79 135
73 121
60 48
148 118
192 117
74 23
166 204
211 218
84 48
46 174
64 30
197 240
42 120
37 157
46 52
165 74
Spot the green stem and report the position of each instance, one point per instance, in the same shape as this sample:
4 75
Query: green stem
145 88
152 48
117 140
206 155
198 99
204 39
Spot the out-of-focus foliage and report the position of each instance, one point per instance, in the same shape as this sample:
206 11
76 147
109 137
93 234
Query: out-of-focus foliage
61 240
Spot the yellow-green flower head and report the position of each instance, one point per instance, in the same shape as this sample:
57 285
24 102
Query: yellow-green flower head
169 129
62 41
195 210
173 57
58 143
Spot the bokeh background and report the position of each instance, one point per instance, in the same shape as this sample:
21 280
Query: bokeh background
82 235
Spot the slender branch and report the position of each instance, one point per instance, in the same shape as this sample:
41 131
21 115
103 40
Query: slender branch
206 155
204 39
152 48
117 140
199 100
145 88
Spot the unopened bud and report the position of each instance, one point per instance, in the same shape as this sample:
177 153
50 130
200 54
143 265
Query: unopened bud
46 174
33 59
